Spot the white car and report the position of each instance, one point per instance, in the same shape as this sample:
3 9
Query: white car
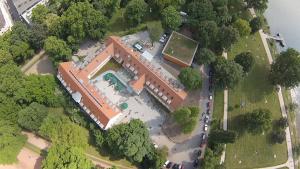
166 163
205 127
210 97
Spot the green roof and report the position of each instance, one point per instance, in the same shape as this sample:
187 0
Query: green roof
181 47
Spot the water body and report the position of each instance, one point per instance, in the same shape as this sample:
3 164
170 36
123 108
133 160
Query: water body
284 17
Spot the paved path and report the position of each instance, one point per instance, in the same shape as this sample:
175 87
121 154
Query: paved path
33 61
290 161
225 116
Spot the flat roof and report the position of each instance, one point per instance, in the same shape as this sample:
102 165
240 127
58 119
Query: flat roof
23 5
181 47
2 20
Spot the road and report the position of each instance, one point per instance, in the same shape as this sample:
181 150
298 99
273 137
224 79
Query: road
7 17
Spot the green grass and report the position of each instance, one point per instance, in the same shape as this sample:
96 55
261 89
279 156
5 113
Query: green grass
218 108
181 47
110 65
255 92
122 162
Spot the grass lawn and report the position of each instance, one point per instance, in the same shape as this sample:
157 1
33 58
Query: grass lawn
181 47
218 108
122 162
110 65
251 151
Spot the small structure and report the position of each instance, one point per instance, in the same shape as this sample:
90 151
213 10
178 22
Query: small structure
180 49
22 9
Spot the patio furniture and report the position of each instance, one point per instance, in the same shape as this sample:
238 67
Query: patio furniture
124 106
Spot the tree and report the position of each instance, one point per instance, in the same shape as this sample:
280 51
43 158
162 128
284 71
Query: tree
227 35
205 56
60 130
187 118
210 161
285 71
159 5
155 31
11 141
226 73
81 20
246 60
282 122
5 57
222 136
171 18
135 11
292 107
57 49
256 24
258 121
39 14
190 78
62 157
242 26
278 136
40 89
21 51
155 159
201 10
107 7
31 117
130 140
206 33
38 36
260 5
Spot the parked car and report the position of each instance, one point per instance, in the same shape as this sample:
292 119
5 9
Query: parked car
196 163
203 136
175 166
169 165
210 73
208 104
205 127
138 47
166 163
199 153
210 97
207 111
210 88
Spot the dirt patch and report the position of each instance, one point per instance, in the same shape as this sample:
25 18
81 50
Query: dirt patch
173 131
36 140
27 159
192 98
42 66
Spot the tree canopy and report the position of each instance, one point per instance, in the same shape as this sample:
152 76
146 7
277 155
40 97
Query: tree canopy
57 49
190 78
285 71
130 140
155 30
256 24
227 36
62 157
205 56
226 73
246 60
171 18
260 5
187 118
222 136
135 11
201 10
242 26
258 120
11 141
206 33
31 117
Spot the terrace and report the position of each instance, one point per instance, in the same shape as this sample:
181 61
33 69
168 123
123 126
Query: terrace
180 48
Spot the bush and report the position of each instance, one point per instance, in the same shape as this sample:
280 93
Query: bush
190 78
256 24
278 136
187 118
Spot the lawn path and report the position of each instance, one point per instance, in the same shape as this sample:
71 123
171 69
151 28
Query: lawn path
290 161
225 116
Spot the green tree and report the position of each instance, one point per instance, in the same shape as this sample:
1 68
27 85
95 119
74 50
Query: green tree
58 128
135 12
171 18
210 161
187 118
57 49
278 136
256 24
190 78
38 36
31 117
21 51
107 7
130 140
260 5
206 33
227 73
155 159
258 121
201 10
205 56
282 122
155 30
11 141
222 136
159 5
5 57
62 157
227 36
246 60
39 14
285 71
242 26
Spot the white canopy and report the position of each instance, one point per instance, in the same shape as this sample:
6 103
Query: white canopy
76 96
147 56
